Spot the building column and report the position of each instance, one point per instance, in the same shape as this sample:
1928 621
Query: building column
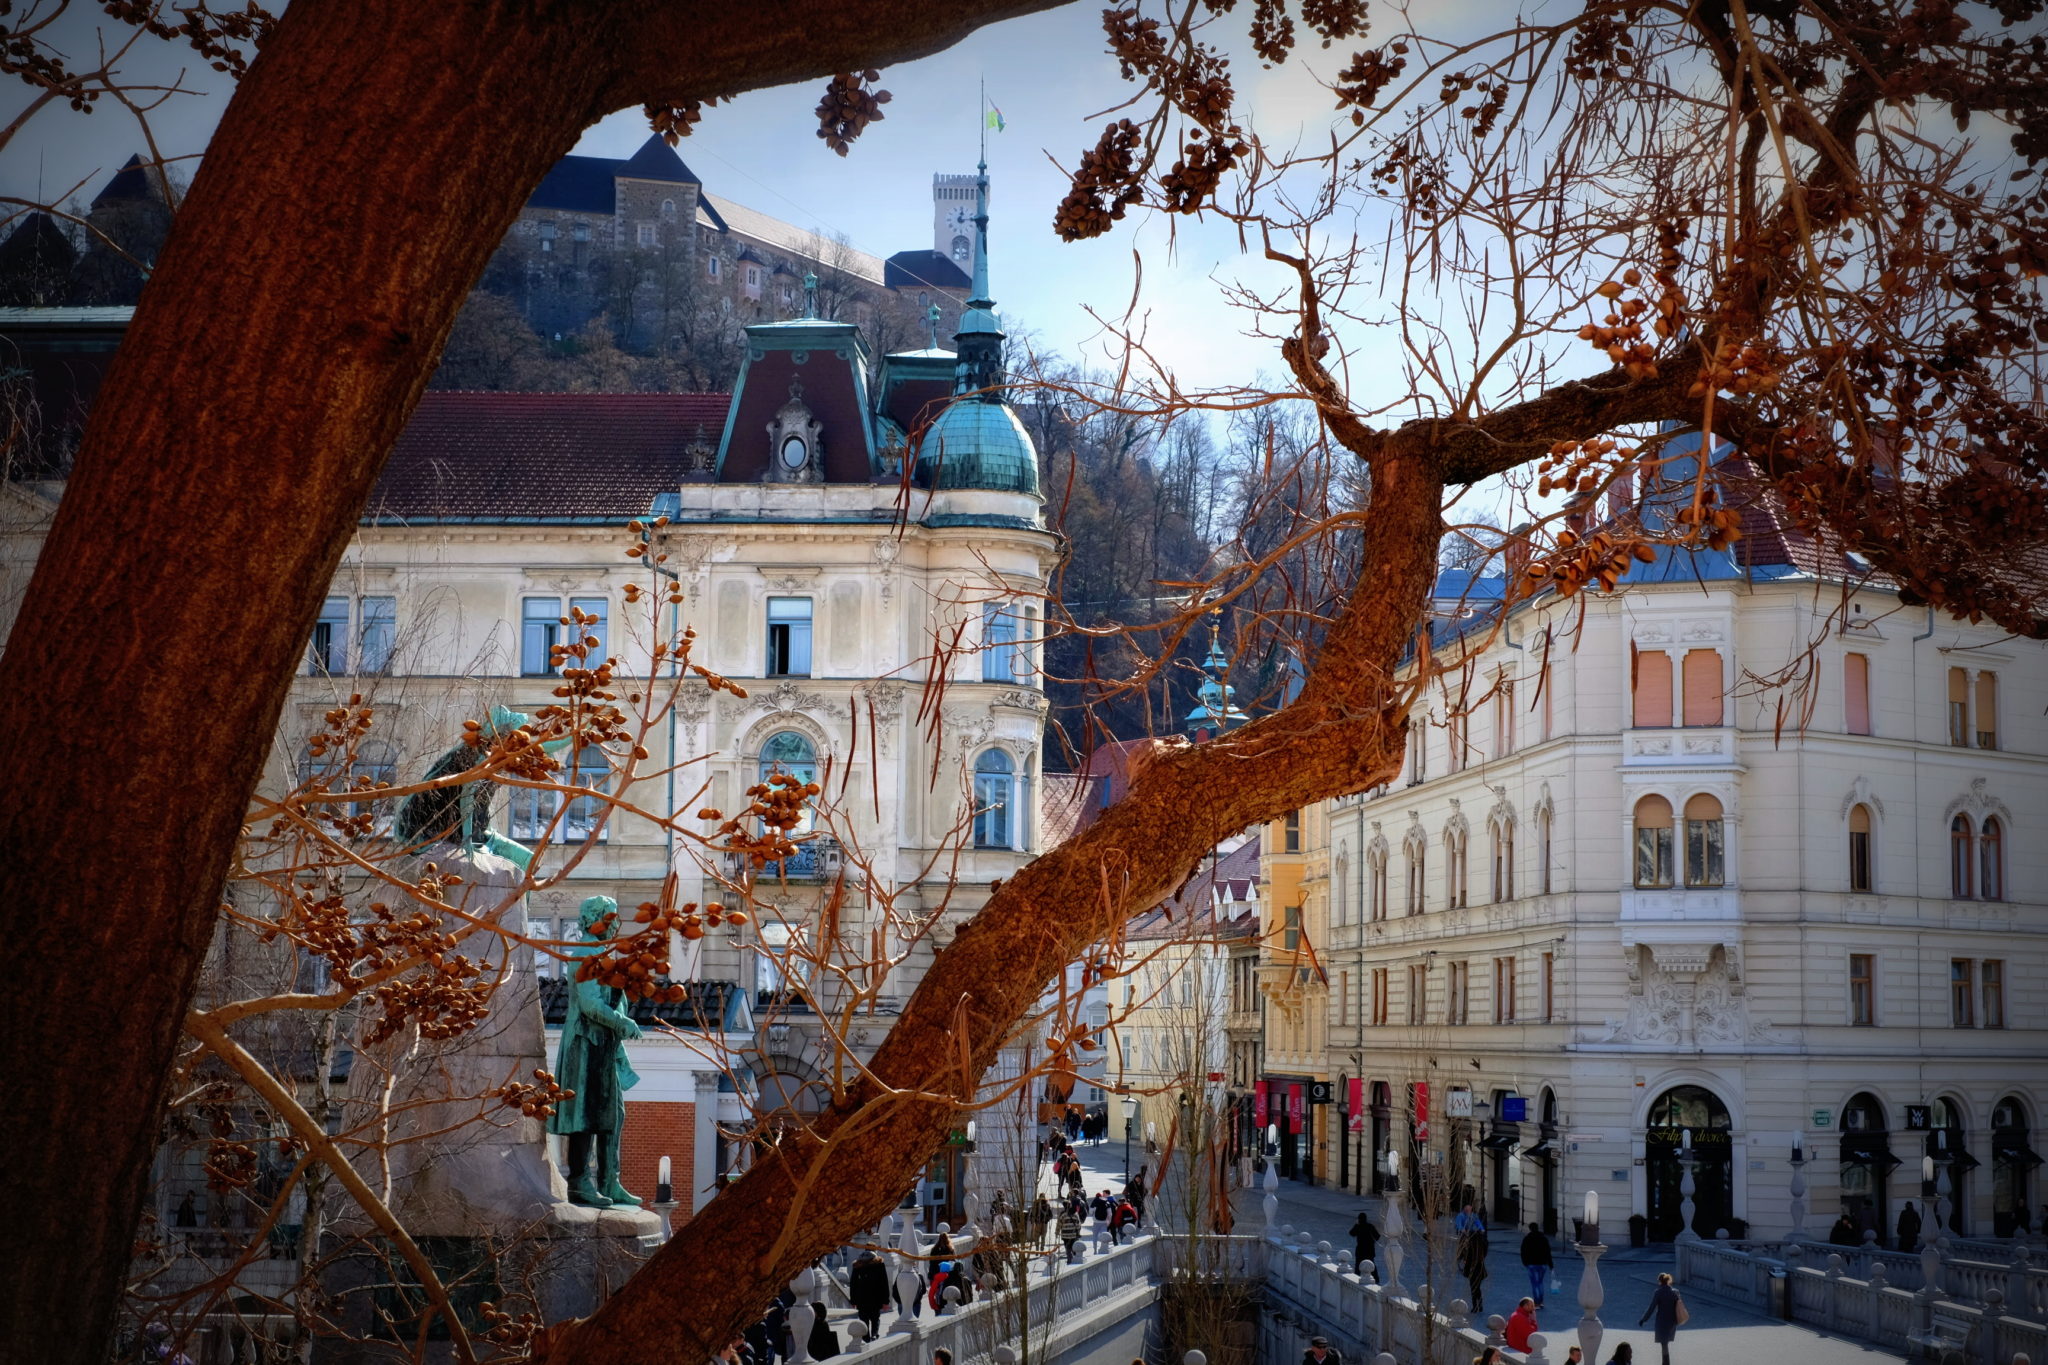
704 1151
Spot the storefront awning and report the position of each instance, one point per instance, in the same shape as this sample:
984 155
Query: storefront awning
1869 1149
2015 1153
1499 1142
1544 1152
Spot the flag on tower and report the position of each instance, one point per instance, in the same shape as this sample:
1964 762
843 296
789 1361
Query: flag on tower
995 117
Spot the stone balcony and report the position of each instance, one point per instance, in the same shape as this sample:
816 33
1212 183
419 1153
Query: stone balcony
1719 905
1688 747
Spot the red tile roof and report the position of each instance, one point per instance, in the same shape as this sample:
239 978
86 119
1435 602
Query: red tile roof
523 456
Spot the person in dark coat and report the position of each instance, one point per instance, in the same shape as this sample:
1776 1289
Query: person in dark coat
1135 1191
1664 1308
1536 1257
824 1342
1366 1239
1321 1352
1624 1354
867 1284
1472 1262
1843 1233
1909 1227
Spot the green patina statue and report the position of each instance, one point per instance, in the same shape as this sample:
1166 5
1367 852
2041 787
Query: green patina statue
592 1062
461 814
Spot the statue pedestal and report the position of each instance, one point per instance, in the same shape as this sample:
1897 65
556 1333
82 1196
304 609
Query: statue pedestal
464 1167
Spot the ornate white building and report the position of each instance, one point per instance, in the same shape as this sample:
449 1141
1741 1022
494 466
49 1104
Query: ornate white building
1745 851
867 561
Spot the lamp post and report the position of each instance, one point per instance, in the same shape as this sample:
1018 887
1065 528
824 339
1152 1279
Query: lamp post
1686 1187
1130 1119
1798 1192
1591 1292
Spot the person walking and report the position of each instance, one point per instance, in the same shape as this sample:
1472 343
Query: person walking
1624 1354
1843 1233
1366 1248
1472 1250
1522 1325
1321 1352
1134 1190
1070 1229
1668 1310
1536 1258
867 1284
1909 1227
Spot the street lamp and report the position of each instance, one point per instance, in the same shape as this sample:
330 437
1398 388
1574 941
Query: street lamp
1130 1118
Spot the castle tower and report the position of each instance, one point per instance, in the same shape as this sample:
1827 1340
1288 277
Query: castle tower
954 232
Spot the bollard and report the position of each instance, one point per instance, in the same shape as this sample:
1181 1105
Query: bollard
800 1316
1194 1358
1537 1341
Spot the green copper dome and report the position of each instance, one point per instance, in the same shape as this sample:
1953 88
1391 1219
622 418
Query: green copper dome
977 444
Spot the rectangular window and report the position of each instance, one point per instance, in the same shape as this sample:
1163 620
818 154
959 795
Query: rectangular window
1992 973
327 654
1549 987
1543 820
540 630
1987 710
380 633
1457 733
1504 719
1652 682
1958 708
1862 990
647 234
1653 855
598 629
1291 937
1703 687
1290 833
1380 990
1962 993
711 266
1856 693
1503 990
1458 996
1418 993
999 661
789 637
1343 995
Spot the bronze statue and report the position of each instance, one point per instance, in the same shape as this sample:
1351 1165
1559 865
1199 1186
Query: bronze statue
592 1063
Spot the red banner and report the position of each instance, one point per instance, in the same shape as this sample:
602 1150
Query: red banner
1356 1099
1259 1110
1294 1107
1422 1111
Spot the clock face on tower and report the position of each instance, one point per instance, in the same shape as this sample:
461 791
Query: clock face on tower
794 453
960 218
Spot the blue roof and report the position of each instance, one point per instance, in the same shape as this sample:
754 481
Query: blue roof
977 444
588 184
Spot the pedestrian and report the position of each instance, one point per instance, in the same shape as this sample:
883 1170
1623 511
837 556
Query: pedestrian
1124 1218
1468 1221
1843 1233
1041 1219
867 1284
942 1356
1366 1245
1472 1261
824 1342
1909 1227
1522 1325
1669 1311
1320 1352
1134 1191
1574 1356
1624 1354
1070 1230
1537 1259
1489 1356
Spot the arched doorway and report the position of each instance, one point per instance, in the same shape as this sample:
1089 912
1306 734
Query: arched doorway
2013 1160
1948 1143
1382 1111
1867 1164
1678 1111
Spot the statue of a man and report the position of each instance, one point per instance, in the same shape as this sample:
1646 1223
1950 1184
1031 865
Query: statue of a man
461 815
592 1062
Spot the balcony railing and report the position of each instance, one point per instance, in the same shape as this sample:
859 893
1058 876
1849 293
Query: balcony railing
818 857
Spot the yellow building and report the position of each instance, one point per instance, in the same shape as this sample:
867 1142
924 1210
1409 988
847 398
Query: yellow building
1292 1095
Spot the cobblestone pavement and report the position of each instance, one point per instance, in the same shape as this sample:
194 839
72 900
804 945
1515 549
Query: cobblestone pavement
1718 1333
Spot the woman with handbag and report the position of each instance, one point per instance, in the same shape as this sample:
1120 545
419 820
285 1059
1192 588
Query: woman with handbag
1670 1314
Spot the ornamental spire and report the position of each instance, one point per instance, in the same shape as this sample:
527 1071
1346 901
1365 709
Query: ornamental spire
979 342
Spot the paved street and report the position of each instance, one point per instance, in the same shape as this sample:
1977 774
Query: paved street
1718 1332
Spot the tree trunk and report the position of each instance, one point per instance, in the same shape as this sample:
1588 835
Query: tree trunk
362 174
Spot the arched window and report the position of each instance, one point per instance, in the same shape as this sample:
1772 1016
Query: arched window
1503 860
1545 829
993 782
668 208
1991 860
1961 875
1653 842
1456 888
1418 859
1377 866
1340 877
1861 874
1704 842
787 751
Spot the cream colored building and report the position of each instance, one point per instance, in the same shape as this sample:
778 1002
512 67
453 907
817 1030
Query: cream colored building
1740 851
839 593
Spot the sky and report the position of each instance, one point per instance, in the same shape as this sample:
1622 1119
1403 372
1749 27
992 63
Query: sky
1047 73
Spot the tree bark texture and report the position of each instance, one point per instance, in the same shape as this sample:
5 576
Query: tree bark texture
818 1189
360 178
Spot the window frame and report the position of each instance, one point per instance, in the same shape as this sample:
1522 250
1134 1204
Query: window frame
1001 654
793 647
1991 859
601 628
1991 989
325 651
1549 987
1504 990
538 636
1962 992
1863 990
995 800
1661 847
1962 858
1706 846
1862 863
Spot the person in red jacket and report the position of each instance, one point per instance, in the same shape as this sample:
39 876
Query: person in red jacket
1522 1325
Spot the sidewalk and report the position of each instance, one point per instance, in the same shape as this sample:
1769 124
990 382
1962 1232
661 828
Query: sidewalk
1717 1331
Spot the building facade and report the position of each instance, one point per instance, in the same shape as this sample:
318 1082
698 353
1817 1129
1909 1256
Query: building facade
1737 861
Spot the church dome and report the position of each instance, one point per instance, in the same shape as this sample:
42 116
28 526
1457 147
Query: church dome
977 444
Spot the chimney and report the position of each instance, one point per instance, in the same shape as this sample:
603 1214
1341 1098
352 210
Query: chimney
1884 455
1518 559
